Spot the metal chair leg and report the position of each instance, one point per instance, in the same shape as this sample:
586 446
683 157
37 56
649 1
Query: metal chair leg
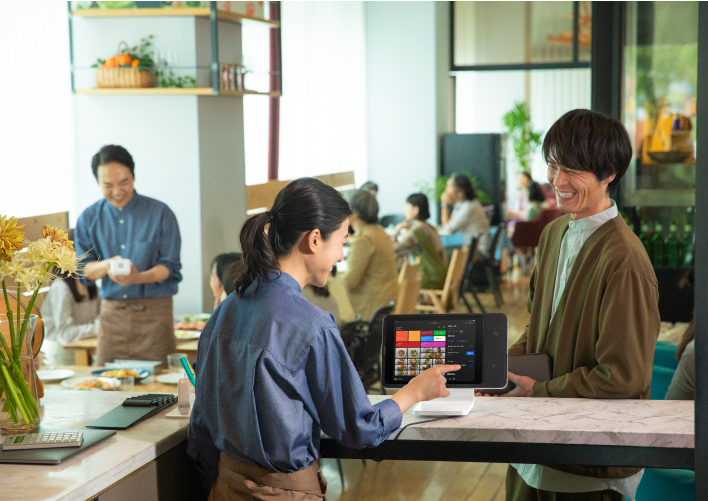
494 285
476 298
341 471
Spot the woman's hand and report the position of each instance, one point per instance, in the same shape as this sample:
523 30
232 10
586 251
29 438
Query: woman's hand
405 225
428 385
445 198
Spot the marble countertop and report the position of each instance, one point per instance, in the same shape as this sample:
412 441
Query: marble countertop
639 423
87 474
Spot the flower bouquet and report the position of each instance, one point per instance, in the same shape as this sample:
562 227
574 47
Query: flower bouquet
30 267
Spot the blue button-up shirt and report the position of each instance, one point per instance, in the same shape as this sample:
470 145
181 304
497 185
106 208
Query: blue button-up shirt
272 371
144 231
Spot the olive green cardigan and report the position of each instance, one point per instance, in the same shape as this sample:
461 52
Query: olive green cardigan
601 340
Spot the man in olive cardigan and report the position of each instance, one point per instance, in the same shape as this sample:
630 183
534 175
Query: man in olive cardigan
593 299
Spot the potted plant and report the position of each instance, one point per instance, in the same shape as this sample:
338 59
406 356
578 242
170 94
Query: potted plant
525 140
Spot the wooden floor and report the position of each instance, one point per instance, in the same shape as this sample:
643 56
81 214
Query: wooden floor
432 481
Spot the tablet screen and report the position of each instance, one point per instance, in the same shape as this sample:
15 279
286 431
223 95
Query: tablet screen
421 344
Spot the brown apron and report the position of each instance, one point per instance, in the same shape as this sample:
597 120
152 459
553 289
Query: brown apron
136 329
244 482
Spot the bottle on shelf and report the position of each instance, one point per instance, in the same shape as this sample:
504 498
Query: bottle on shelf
658 258
688 245
645 238
673 251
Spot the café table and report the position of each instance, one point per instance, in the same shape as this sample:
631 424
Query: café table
641 433
86 348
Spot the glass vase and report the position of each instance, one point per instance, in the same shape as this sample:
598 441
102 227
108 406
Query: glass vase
19 404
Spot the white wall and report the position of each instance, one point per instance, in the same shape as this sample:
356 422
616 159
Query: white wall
406 96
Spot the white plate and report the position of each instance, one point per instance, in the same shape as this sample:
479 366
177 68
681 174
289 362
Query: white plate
170 378
183 335
54 375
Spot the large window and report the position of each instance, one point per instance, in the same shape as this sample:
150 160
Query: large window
323 108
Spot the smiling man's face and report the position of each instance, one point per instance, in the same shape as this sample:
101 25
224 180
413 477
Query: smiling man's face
116 183
579 192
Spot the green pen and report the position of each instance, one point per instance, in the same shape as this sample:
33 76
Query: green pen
188 369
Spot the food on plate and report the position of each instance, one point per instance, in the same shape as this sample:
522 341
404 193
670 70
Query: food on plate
414 353
401 367
120 373
401 373
181 334
401 353
189 326
93 384
427 350
439 361
401 361
414 360
427 366
413 366
413 373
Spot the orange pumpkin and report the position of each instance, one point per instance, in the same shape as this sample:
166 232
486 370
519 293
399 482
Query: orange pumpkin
135 63
124 59
110 62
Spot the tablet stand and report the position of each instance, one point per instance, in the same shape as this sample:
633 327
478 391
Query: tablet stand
459 403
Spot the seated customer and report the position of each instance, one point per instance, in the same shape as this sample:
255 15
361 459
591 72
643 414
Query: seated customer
421 239
537 201
371 276
223 268
683 384
523 198
70 313
463 213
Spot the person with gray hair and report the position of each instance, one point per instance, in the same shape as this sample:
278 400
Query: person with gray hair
371 277
371 187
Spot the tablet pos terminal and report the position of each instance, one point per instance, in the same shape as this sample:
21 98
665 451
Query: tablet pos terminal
476 342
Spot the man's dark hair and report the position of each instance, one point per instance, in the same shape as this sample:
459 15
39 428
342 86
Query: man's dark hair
536 193
112 153
589 141
421 201
463 183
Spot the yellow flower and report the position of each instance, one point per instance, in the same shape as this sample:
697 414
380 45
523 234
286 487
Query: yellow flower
44 252
57 236
11 237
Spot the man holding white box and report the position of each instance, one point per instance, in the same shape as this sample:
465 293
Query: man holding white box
132 243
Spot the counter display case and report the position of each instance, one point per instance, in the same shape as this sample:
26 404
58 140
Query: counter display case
659 112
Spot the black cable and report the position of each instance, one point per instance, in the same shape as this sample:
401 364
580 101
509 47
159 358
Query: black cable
404 428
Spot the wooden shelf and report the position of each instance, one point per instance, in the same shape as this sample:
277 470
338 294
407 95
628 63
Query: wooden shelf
162 91
249 93
201 12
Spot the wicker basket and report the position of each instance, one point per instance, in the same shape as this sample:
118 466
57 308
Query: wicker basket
124 78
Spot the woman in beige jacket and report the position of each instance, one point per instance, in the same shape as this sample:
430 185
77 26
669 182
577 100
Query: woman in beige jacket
371 277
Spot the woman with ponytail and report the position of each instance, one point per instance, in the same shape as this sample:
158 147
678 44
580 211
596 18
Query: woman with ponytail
273 371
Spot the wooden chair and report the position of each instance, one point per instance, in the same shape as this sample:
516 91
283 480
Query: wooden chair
408 296
446 299
409 271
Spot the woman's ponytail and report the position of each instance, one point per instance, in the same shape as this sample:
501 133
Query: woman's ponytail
258 256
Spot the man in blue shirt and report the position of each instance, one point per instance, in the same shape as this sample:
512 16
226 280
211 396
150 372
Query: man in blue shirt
136 309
